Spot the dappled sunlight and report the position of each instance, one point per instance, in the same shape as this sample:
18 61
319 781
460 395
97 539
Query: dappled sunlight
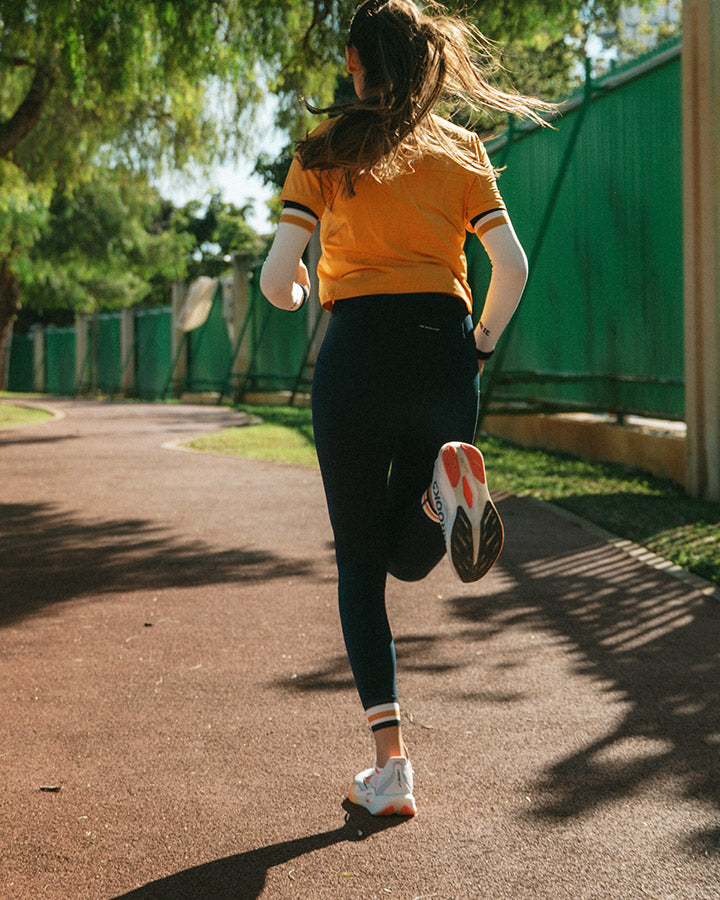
650 640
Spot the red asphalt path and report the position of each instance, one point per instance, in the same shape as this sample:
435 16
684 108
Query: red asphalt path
179 720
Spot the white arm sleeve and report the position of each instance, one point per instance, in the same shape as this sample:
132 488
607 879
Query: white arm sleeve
507 282
277 278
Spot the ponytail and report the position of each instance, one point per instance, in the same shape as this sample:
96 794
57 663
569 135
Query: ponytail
410 61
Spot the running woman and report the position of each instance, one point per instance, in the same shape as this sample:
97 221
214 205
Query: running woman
396 188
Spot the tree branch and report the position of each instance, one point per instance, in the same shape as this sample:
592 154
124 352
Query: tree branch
27 115
16 60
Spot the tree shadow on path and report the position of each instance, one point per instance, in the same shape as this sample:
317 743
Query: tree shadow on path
243 875
652 645
50 555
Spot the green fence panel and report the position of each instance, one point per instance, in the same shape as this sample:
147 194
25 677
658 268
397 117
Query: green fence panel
109 375
60 377
153 357
209 351
278 342
604 304
21 374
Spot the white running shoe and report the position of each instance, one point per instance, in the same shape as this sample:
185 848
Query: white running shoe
387 791
471 525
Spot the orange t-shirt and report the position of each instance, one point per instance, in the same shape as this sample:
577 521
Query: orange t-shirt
399 236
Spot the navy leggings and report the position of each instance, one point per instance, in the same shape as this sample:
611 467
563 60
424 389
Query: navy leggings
395 379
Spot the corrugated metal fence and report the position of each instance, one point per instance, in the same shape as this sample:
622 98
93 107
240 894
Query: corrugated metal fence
596 201
597 204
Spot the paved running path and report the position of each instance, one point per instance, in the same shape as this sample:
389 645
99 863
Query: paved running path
179 721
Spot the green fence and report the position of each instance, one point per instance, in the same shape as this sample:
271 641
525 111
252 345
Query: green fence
60 369
209 352
267 353
109 365
278 343
21 374
153 356
597 203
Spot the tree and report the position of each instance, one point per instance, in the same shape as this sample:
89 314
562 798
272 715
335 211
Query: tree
103 245
640 28
134 73
137 82
214 235
23 214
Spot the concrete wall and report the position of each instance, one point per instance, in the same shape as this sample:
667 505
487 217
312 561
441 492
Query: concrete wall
660 452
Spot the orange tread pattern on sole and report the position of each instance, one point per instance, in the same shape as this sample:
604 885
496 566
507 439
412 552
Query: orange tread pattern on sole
452 465
391 811
476 464
467 491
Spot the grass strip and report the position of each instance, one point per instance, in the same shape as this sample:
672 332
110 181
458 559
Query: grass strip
631 504
21 415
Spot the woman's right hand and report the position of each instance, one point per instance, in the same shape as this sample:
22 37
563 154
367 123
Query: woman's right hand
302 276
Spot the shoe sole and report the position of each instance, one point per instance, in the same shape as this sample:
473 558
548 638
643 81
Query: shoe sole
386 804
464 470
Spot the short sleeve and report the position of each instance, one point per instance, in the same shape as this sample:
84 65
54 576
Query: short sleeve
303 189
482 195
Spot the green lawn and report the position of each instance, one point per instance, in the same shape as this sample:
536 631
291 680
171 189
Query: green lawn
630 504
21 415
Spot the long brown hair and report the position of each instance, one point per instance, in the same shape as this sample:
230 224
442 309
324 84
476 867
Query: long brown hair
411 61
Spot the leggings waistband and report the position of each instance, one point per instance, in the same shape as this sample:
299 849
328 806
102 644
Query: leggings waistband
431 308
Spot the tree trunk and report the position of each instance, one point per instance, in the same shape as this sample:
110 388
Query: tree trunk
9 308
27 115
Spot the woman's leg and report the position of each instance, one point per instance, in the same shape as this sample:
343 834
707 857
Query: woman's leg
386 389
354 436
446 410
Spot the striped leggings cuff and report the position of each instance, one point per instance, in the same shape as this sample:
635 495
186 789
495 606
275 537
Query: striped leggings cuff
385 715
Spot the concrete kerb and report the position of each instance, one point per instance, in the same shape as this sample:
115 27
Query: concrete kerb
635 551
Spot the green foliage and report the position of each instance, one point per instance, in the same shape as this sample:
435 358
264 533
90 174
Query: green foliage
657 21
128 78
103 246
213 235
23 210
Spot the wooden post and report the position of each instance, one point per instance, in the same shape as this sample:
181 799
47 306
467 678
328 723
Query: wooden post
39 367
127 351
241 288
82 375
178 348
701 207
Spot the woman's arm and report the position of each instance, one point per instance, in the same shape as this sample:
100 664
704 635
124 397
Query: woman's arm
284 277
507 282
